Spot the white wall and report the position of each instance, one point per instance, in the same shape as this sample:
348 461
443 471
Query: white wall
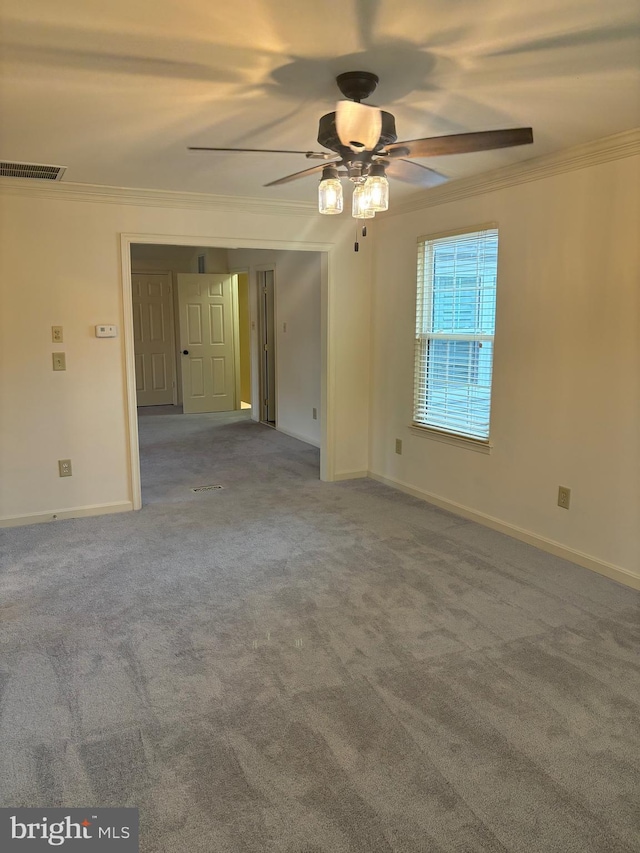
215 260
74 280
149 258
566 406
146 257
298 349
566 397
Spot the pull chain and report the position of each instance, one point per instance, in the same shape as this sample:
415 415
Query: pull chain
356 245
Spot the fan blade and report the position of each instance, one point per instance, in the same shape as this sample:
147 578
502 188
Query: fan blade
358 125
414 173
460 143
302 174
310 155
573 38
118 63
366 13
96 49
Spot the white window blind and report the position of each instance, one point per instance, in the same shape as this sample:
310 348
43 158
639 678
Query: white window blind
455 325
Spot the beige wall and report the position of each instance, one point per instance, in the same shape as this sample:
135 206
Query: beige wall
298 349
566 397
146 258
74 280
215 260
566 403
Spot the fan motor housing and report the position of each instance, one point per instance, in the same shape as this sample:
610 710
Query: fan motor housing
328 135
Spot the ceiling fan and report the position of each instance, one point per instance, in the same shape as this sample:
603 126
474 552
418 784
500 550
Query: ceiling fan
363 142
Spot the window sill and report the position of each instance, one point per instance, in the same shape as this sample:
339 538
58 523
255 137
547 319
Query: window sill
475 444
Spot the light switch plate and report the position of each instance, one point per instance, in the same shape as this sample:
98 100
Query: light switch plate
59 360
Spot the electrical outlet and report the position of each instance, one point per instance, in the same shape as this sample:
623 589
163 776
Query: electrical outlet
315 414
64 467
564 497
56 334
59 361
399 446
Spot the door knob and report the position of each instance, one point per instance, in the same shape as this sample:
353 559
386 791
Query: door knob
185 352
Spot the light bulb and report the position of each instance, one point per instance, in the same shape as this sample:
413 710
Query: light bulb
330 191
378 193
360 203
377 188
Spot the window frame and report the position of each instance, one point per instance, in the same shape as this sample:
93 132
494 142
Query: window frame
425 288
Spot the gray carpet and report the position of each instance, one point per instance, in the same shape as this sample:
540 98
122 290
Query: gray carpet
290 665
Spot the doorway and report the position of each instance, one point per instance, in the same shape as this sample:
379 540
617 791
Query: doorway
267 339
191 331
241 249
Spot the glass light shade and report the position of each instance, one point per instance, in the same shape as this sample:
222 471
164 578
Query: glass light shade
377 189
330 196
358 125
360 203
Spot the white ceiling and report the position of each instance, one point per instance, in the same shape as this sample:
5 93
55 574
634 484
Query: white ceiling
117 89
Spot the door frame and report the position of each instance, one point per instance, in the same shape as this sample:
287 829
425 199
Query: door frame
235 272
261 319
326 374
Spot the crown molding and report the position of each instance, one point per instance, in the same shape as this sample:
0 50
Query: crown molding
154 198
616 147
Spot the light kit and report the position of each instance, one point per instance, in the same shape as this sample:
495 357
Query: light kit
370 191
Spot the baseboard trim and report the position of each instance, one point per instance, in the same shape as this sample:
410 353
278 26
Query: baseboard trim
75 512
350 475
298 436
609 570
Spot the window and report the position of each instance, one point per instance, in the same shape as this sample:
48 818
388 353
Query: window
455 325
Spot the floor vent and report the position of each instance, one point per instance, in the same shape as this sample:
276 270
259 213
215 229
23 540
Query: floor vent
32 171
206 488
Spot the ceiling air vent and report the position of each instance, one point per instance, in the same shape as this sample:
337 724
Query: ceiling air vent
33 171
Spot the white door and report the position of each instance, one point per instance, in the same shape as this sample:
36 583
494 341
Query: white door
153 338
206 343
